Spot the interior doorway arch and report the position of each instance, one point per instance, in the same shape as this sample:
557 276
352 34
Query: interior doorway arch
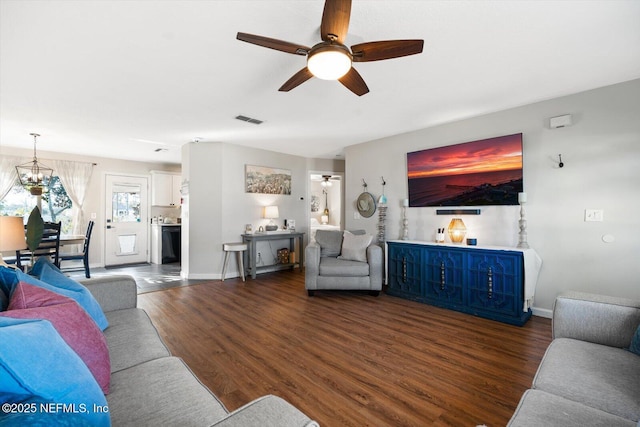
326 201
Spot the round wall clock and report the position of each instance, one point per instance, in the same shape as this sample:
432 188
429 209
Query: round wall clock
366 204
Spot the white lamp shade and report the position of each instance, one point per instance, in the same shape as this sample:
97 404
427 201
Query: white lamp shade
12 236
271 212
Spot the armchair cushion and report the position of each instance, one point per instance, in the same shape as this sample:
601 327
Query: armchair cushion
343 268
354 247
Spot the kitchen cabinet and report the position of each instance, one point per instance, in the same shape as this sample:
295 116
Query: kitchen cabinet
165 189
493 282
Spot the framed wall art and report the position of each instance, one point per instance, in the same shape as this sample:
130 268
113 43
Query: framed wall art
267 180
476 173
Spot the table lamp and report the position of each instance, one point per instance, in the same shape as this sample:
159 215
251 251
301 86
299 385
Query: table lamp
457 230
271 212
12 237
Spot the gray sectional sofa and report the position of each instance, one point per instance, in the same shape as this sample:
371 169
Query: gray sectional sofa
149 387
587 377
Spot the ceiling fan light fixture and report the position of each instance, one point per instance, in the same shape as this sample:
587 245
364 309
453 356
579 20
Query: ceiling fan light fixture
329 62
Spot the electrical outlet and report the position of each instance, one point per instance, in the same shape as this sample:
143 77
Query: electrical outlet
593 215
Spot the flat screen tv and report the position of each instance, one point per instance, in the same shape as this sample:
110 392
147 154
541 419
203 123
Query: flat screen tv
478 173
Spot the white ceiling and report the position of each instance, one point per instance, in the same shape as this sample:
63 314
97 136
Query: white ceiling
123 78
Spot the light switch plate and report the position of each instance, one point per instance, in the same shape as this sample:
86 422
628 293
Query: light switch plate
596 215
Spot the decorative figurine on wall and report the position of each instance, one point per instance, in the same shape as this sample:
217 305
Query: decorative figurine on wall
365 203
382 216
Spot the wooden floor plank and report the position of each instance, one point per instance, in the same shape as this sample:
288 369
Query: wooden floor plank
348 358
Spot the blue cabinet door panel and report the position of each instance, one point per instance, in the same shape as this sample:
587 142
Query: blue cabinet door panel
405 270
444 276
495 282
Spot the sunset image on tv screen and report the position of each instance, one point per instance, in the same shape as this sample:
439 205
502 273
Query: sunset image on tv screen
478 173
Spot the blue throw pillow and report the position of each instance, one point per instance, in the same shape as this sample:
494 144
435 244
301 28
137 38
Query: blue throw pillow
53 280
36 362
635 342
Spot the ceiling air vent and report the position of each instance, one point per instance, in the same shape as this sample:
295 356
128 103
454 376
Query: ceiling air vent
249 120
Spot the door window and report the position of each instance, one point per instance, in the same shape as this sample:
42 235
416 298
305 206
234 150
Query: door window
125 203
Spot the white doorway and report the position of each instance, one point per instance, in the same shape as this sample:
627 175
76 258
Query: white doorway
127 220
326 202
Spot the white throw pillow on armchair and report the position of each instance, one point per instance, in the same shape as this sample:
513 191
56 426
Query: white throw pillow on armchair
354 247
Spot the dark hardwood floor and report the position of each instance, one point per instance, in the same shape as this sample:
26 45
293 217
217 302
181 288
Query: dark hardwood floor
346 358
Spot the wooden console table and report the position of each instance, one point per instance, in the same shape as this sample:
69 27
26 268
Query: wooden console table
250 256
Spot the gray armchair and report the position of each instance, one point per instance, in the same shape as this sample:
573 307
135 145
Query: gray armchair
330 266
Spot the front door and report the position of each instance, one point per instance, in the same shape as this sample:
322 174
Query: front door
127 224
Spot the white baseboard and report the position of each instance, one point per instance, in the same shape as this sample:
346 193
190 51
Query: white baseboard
542 312
208 276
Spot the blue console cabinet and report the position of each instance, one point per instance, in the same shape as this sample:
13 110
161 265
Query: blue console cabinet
484 282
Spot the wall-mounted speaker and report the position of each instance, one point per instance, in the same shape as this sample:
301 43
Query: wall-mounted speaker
560 121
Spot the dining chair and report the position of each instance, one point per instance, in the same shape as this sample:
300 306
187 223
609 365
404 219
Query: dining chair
49 246
84 255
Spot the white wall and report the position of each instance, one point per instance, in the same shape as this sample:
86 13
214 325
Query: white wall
218 207
601 152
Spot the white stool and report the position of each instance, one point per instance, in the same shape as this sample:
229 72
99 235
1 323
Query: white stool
238 248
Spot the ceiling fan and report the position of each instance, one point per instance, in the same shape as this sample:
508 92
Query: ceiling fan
331 59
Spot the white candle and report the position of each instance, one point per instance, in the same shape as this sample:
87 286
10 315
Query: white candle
522 197
405 203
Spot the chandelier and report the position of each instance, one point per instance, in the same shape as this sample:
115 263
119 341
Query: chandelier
34 176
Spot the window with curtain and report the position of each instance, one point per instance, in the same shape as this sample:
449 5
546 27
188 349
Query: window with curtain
63 201
56 204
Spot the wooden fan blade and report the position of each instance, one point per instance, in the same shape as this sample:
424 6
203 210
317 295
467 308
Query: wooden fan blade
354 82
377 51
335 20
280 45
297 79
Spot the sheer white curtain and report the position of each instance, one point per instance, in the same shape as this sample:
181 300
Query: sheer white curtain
75 178
8 174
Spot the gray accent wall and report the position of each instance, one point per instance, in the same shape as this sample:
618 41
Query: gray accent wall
217 208
601 153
